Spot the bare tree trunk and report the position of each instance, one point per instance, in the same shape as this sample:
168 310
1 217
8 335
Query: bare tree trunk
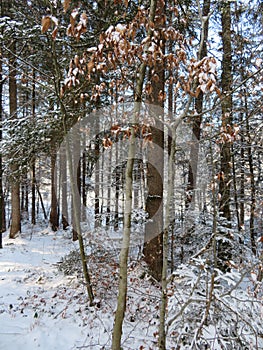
153 246
196 129
83 180
64 191
15 203
122 293
224 250
33 181
242 185
117 190
252 191
42 203
75 203
72 183
15 184
154 227
235 188
77 183
54 219
2 202
108 209
192 179
170 195
97 176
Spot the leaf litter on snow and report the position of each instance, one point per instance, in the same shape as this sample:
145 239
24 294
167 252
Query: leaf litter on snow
43 306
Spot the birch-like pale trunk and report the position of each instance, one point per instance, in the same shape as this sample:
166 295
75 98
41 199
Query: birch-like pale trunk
63 185
75 204
121 303
170 189
122 292
72 182
170 195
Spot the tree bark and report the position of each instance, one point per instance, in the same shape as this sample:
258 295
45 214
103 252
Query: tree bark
122 294
123 274
77 183
33 181
64 192
224 250
153 246
153 254
108 205
15 184
54 219
75 203
196 129
2 202
97 178
252 191
117 180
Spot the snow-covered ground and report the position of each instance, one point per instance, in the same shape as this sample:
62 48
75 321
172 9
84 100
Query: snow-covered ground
37 304
40 308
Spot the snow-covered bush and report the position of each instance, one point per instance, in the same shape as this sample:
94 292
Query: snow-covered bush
211 310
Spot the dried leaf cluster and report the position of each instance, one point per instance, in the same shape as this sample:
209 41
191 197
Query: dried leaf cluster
117 132
75 29
124 47
49 22
229 134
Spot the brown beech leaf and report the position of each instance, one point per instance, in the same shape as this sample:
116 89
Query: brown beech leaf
46 22
62 91
69 30
90 66
161 96
106 142
76 60
217 90
66 4
127 133
115 129
54 33
148 88
221 176
73 16
147 140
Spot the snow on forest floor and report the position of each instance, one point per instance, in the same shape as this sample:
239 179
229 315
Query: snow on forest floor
41 308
